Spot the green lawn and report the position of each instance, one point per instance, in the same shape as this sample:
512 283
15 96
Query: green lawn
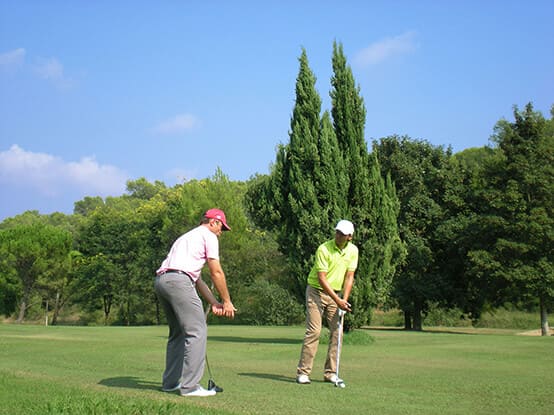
116 370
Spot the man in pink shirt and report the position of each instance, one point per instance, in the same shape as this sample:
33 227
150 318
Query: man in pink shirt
177 285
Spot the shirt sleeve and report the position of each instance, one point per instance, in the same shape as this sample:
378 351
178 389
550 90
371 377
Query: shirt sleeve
212 246
353 260
321 263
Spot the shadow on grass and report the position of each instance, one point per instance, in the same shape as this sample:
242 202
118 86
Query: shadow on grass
129 382
423 331
269 376
234 339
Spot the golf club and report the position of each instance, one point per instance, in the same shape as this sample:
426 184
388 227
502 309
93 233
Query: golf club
211 382
339 383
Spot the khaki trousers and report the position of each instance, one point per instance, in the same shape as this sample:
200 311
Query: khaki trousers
319 305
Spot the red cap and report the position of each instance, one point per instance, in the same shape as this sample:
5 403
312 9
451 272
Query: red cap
219 215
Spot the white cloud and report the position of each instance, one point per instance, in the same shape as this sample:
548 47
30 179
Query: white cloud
52 70
387 48
13 58
178 124
52 176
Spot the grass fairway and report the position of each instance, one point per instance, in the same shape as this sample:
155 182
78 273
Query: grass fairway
117 370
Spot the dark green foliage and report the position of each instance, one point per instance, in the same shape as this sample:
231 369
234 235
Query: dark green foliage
265 303
421 173
518 198
465 232
31 256
301 199
10 289
143 189
372 203
87 205
325 174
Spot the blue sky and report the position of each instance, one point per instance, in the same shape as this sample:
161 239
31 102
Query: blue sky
95 93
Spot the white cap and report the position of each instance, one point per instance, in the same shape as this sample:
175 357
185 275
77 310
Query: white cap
345 226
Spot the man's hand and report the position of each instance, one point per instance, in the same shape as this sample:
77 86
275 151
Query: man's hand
344 305
229 309
217 309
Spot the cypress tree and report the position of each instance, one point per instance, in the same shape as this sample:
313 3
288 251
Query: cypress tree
323 175
372 206
332 178
303 222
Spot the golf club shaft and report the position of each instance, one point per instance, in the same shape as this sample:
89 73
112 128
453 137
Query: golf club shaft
211 382
339 339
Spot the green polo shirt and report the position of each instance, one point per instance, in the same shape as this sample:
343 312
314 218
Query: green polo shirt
329 258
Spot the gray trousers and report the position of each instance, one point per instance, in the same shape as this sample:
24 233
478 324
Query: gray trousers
186 344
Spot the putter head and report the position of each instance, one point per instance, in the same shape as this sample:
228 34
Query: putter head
340 384
213 386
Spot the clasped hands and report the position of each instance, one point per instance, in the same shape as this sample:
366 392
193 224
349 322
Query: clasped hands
226 309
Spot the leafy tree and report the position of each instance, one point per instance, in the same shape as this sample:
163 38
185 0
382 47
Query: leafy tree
29 217
10 286
143 189
518 200
420 172
110 246
59 287
54 286
32 253
462 230
87 205
98 284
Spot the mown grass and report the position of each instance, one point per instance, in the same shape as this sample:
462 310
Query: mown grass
115 370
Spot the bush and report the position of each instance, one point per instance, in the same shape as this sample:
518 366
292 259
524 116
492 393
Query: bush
442 317
388 318
264 303
503 318
357 337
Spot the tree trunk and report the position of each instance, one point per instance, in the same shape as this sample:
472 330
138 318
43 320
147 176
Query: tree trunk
545 330
23 306
56 309
107 308
407 320
418 320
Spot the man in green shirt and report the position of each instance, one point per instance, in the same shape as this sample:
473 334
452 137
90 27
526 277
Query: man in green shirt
332 273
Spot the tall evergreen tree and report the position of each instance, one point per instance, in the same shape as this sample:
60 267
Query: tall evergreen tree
325 174
349 114
371 205
297 197
331 176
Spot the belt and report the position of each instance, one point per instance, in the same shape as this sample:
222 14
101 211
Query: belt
174 271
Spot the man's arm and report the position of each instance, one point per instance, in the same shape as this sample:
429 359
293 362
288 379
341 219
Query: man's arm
206 293
218 278
342 303
347 285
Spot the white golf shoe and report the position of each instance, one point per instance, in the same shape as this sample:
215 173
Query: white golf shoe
335 380
199 391
303 379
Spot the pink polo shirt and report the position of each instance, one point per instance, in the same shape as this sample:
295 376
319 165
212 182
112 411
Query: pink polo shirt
190 252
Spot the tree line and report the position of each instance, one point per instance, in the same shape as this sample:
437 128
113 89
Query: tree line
470 231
